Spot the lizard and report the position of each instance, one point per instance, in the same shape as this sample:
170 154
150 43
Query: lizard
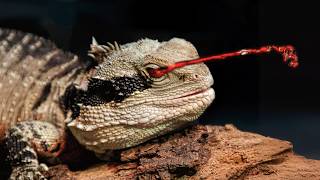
108 103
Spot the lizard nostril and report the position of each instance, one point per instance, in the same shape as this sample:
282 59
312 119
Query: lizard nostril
196 76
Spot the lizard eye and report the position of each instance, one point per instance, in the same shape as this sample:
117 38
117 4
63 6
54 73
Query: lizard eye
161 80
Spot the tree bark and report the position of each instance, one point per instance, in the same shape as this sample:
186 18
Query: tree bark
200 152
203 152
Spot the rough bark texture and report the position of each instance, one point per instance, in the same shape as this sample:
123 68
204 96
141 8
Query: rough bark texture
202 152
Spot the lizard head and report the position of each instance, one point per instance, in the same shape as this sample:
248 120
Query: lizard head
121 105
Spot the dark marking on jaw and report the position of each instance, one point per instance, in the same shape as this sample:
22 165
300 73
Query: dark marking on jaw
103 91
117 89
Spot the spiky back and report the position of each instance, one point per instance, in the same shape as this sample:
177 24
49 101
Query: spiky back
34 74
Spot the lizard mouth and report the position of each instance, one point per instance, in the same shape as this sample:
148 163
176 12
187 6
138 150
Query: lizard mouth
202 92
195 93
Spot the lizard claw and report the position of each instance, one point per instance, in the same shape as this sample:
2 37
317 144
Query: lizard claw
29 172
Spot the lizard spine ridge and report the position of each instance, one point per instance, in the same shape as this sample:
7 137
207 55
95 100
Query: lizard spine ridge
34 74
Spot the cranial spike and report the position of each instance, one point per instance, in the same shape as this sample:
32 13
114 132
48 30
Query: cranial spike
94 41
117 45
91 55
106 47
111 45
99 48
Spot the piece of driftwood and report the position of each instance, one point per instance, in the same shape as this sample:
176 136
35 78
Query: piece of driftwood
201 152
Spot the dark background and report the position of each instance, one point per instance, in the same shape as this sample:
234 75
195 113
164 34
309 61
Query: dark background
256 93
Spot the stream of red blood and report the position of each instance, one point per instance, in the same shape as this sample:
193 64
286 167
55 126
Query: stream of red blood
288 55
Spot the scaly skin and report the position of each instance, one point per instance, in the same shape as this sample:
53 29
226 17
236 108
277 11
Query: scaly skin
112 105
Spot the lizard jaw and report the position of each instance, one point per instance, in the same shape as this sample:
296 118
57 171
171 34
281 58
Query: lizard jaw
195 93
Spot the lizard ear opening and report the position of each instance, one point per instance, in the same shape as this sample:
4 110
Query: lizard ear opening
100 52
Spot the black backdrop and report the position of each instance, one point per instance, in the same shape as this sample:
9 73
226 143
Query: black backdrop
256 93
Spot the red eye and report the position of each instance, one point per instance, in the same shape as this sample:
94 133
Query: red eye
152 71
155 73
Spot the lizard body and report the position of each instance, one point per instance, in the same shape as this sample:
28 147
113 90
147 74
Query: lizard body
34 73
114 105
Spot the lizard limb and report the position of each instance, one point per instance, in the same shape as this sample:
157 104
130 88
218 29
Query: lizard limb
26 142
